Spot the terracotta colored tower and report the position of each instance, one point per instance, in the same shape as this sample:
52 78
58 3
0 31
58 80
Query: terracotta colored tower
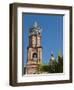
34 50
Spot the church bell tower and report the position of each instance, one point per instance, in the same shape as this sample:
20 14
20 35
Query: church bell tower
34 50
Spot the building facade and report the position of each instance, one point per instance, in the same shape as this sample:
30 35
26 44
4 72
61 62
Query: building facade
34 50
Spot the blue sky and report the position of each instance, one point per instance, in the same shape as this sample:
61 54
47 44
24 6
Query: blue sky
52 34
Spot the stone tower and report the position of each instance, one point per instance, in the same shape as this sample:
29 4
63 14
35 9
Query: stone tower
34 50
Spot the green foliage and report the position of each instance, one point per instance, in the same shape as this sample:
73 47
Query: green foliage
56 67
60 64
53 68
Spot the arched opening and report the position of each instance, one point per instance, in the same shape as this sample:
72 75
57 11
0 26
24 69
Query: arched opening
35 56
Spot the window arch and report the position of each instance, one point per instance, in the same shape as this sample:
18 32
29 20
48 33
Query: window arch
35 56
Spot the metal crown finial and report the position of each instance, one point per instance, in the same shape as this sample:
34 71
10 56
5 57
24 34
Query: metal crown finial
35 24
